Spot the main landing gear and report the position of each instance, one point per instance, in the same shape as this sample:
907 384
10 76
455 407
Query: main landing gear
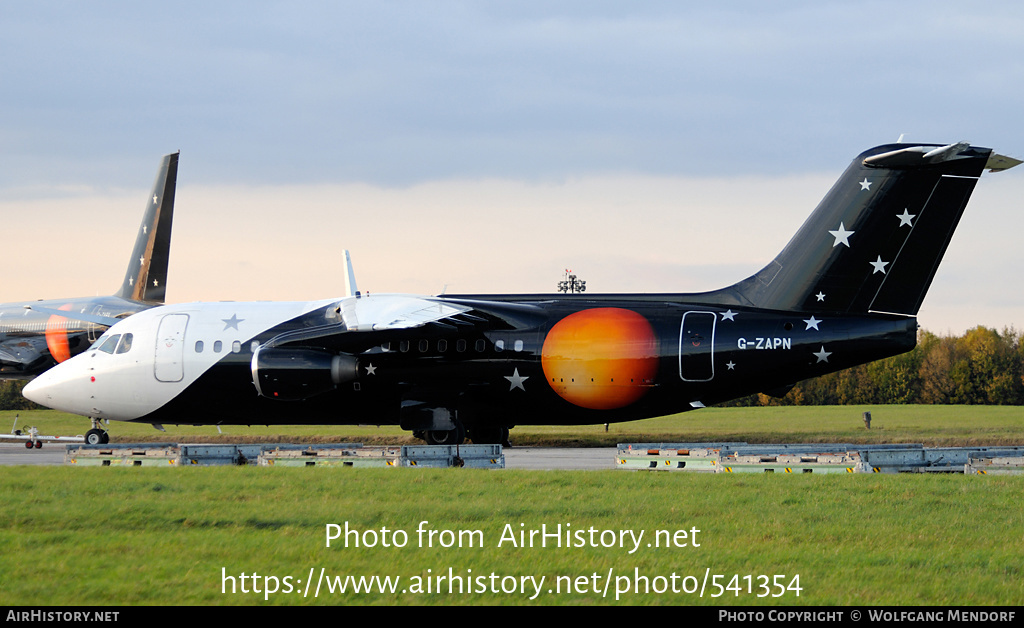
456 436
97 435
479 435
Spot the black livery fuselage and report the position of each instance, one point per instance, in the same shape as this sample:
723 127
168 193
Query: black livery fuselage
844 291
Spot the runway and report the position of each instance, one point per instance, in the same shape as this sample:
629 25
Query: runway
534 458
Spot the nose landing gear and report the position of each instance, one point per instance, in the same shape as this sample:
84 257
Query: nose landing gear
97 435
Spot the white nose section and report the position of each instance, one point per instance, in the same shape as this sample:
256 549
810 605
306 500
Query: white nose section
64 387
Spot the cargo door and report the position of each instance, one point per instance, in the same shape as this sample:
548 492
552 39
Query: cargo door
697 347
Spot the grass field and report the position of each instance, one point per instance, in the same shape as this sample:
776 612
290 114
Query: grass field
183 536
928 425
163 536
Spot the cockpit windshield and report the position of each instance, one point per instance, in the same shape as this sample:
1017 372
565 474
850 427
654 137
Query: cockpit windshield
106 344
115 343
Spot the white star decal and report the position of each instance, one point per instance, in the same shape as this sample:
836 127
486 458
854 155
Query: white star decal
516 380
841 235
145 229
131 281
156 284
879 265
820 296
865 184
142 260
905 218
154 199
729 315
812 323
822 355
731 365
371 369
232 323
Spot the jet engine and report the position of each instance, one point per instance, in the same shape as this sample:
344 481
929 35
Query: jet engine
294 374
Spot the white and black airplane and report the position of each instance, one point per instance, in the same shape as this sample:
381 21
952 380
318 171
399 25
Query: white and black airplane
844 291
35 335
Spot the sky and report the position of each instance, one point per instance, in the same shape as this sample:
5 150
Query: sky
489 146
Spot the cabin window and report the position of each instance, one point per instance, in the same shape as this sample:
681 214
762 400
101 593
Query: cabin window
518 346
460 345
404 346
199 346
442 345
236 346
254 346
480 345
499 345
126 344
217 346
424 345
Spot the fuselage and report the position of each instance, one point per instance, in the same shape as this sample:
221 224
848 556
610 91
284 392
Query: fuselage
844 291
503 361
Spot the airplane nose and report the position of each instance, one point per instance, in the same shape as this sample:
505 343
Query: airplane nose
61 388
36 389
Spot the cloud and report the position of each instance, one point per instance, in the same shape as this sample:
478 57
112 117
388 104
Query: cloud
400 94
620 233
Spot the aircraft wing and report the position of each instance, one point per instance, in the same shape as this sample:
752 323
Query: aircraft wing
388 312
366 320
23 351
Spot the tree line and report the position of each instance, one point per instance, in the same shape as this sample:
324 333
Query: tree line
983 366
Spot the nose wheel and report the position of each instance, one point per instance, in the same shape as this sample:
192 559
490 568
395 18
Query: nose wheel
97 435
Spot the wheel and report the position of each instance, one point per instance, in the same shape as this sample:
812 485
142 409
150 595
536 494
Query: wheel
39 444
28 444
96 437
489 435
446 437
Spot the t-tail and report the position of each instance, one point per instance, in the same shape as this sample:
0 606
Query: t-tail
146 277
875 241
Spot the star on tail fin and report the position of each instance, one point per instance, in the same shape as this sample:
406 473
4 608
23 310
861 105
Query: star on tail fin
875 241
146 277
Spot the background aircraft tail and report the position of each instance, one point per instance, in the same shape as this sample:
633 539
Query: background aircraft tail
875 241
146 277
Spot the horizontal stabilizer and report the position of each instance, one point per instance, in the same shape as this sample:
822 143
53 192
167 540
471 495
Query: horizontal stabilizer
998 163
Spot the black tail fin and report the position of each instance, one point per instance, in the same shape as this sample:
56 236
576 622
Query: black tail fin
146 278
875 241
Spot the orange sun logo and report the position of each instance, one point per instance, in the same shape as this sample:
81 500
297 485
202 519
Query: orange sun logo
602 359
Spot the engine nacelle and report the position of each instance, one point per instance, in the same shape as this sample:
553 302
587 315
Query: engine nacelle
296 374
